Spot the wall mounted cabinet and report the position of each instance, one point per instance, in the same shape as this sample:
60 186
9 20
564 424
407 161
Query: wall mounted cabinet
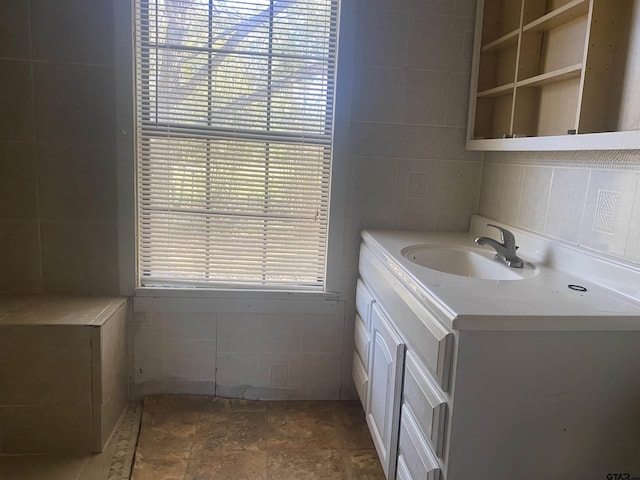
556 75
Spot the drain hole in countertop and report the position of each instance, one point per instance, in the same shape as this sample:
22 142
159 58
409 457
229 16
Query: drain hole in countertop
577 288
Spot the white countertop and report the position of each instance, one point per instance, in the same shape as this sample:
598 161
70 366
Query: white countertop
543 302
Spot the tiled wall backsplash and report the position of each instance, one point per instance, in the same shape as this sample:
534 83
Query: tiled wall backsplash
590 199
58 229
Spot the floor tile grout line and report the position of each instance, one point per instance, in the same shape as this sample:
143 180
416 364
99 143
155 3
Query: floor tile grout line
330 412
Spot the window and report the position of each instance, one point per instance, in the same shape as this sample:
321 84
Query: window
234 141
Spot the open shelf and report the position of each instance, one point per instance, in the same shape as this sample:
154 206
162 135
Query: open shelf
547 107
493 116
558 17
566 73
497 91
506 41
568 69
502 19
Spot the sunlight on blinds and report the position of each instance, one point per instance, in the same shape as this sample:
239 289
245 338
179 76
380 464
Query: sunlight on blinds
234 141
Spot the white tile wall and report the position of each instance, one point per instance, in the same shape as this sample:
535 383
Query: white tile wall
606 227
378 97
387 46
186 359
534 200
411 168
319 379
237 354
459 186
444 7
451 222
57 144
285 385
387 5
457 96
322 334
590 199
410 141
187 325
236 372
280 333
347 389
147 360
510 188
238 333
425 97
434 31
566 203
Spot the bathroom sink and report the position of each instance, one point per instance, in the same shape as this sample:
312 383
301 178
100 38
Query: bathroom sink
465 262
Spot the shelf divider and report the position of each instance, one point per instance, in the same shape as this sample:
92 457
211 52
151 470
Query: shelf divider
558 17
572 71
502 43
499 91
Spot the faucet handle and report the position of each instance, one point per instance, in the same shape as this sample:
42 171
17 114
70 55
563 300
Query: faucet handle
506 237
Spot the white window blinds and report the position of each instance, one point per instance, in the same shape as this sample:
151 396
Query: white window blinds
234 141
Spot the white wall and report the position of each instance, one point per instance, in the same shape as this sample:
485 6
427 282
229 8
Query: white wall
590 199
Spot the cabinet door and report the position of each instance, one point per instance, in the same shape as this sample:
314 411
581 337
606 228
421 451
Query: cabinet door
386 363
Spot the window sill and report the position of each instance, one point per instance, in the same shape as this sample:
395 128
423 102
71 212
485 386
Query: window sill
233 300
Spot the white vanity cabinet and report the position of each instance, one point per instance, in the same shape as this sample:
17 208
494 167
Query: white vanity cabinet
495 380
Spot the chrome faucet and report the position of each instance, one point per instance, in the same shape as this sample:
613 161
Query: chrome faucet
505 251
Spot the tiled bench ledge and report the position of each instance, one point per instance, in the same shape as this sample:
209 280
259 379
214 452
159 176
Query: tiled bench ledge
63 372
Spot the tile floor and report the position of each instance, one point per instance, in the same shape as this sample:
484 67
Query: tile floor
206 438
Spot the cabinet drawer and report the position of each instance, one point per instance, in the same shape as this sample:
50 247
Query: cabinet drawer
427 404
360 378
364 300
361 339
403 471
415 458
437 348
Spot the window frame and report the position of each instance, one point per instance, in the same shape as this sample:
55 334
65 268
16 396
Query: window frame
337 274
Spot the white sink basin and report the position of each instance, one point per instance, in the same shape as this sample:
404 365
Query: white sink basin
465 262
